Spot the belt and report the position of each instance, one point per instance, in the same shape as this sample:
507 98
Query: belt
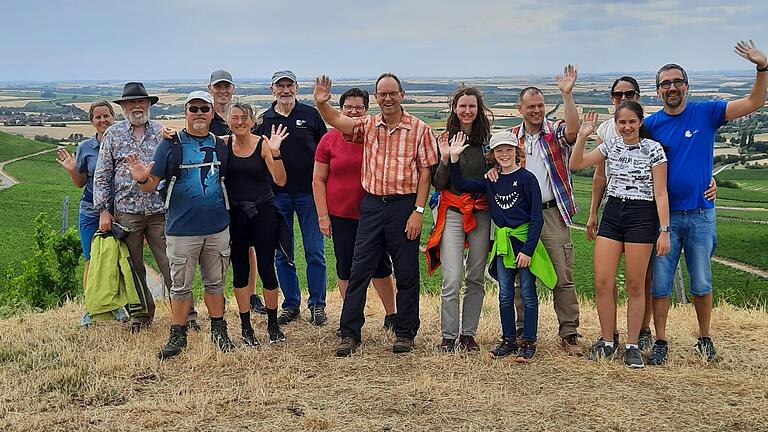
389 198
548 204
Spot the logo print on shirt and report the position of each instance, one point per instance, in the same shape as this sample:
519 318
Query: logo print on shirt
301 123
689 134
506 202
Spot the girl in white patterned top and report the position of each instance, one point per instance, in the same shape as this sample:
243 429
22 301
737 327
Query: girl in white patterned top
637 201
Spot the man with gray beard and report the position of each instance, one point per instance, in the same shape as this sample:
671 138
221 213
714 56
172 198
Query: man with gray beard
118 198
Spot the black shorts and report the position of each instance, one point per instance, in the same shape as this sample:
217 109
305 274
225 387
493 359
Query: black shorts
629 221
344 233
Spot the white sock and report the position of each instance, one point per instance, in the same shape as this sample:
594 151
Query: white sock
632 346
608 344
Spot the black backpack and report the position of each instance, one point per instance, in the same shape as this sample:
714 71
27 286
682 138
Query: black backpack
173 170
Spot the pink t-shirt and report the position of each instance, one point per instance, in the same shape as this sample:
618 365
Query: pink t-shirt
344 190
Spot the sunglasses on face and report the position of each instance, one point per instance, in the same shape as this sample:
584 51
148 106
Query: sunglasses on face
676 82
629 94
202 109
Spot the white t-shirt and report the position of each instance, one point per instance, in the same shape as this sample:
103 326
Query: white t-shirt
534 162
630 166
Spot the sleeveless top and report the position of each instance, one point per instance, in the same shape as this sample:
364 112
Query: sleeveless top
248 178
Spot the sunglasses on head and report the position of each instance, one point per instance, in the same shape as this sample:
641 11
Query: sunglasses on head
629 94
202 109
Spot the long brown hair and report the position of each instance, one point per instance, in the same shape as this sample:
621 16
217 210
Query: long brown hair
481 126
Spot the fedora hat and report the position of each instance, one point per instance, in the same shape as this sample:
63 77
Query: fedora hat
136 90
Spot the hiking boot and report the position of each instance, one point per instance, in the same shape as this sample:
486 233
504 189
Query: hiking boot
257 306
600 351
275 335
706 349
645 339
468 344
389 322
658 355
194 325
317 316
447 345
347 346
633 357
176 342
506 347
249 338
571 345
288 315
526 352
402 345
220 337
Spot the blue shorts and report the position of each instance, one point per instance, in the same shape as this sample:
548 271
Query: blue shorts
695 232
88 224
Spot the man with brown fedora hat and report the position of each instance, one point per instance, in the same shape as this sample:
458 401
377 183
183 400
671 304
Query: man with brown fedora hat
118 198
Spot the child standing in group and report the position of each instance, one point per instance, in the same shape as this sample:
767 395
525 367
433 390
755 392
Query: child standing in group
515 205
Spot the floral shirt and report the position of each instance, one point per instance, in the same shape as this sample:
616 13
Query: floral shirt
112 180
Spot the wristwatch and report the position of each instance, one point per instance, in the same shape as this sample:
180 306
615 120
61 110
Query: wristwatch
664 228
763 69
419 209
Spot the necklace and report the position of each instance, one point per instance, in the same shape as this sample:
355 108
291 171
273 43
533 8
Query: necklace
244 152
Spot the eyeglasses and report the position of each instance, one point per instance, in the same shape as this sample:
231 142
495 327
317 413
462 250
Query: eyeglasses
387 95
675 82
629 94
202 109
354 107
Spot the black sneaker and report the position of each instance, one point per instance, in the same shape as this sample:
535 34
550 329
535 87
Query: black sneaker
447 345
176 342
194 325
257 306
526 352
658 355
706 349
600 351
220 336
389 322
633 358
275 335
317 316
506 347
645 339
249 338
288 315
347 346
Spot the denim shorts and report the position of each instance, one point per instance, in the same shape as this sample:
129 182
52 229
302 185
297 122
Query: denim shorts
695 233
88 224
629 221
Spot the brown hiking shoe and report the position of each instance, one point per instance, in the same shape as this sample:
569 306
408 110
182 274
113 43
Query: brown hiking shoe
468 344
447 345
402 345
347 346
571 345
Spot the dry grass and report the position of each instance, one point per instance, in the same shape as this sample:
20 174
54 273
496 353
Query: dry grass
55 376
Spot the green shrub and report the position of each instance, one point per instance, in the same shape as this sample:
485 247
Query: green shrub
49 276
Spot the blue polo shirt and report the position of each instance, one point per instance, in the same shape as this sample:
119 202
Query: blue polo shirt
688 139
305 128
85 163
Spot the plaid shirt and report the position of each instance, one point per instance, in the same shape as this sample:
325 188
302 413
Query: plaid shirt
112 181
556 151
392 157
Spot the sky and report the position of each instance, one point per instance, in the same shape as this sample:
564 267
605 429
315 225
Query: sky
187 39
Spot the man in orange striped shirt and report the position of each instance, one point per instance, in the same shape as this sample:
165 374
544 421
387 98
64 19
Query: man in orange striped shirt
398 151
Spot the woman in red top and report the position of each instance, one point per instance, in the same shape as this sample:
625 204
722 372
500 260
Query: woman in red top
337 191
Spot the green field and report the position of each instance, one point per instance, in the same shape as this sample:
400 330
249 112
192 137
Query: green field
12 146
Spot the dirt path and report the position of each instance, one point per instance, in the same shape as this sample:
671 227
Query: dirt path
6 180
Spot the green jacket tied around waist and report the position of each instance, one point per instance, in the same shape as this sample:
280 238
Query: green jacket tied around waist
111 284
541 265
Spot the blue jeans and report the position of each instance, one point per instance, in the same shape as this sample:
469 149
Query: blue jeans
303 204
87 224
507 301
695 232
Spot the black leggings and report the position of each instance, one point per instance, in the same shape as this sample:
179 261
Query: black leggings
260 231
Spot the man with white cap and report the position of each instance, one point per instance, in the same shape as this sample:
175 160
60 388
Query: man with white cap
305 128
192 167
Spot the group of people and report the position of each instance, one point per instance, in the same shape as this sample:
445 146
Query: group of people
230 183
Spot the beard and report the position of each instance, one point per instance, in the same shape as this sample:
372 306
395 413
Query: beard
137 120
198 126
673 100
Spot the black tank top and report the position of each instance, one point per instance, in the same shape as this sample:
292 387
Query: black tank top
248 178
